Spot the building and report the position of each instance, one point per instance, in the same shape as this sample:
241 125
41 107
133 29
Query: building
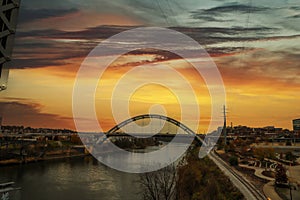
296 124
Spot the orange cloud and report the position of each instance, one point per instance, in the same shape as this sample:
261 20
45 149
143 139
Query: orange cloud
254 98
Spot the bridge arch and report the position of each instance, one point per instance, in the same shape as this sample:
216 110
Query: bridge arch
151 116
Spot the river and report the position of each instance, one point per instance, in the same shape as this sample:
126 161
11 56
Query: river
71 179
75 179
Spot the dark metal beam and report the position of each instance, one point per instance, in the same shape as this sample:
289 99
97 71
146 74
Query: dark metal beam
8 15
154 116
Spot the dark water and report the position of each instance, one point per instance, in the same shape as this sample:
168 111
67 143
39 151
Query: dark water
74 179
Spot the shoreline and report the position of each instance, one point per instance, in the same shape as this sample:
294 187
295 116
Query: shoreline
10 162
18 161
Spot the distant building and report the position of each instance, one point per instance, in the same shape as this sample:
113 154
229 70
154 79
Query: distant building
296 124
269 129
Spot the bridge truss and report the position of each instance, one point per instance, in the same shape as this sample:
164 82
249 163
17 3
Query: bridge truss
114 131
8 15
151 116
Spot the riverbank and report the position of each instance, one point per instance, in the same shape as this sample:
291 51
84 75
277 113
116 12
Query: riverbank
18 161
130 145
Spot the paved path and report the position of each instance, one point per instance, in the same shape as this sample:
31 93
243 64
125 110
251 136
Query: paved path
258 172
268 188
270 191
294 173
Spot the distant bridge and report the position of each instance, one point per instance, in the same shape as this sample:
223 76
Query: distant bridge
151 116
113 132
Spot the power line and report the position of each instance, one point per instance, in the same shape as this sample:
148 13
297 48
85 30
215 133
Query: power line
246 30
225 126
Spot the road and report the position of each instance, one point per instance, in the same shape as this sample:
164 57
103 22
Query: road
248 190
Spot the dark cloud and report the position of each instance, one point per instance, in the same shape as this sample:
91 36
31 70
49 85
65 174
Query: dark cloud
295 7
277 68
34 63
216 13
226 50
103 32
166 55
46 4
234 8
28 15
99 32
29 114
294 16
40 48
218 34
42 52
37 33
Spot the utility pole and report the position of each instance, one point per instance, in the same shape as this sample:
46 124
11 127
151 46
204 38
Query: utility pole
224 127
0 124
290 186
291 196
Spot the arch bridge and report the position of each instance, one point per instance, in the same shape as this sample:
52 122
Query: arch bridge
114 131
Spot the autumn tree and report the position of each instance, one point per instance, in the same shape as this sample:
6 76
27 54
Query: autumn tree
262 153
234 161
280 176
201 179
290 156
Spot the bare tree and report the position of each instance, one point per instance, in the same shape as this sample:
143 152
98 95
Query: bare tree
160 185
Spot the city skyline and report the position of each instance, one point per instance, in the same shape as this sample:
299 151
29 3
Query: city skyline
257 55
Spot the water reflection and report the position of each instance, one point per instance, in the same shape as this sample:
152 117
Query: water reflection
75 179
80 178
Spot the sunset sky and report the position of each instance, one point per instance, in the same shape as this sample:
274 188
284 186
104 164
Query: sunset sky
255 45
